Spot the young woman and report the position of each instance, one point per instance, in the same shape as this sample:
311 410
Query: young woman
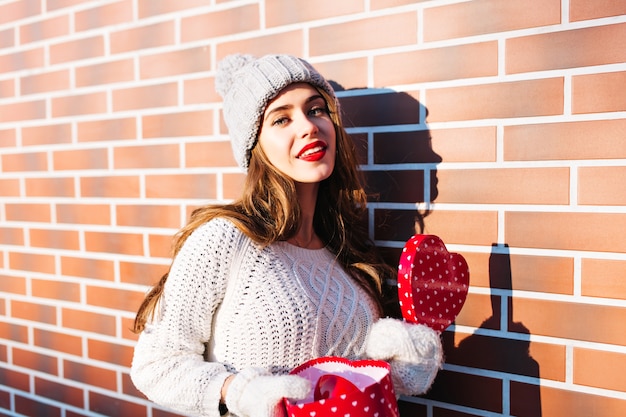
284 274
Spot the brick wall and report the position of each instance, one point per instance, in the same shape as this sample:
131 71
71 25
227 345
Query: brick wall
498 125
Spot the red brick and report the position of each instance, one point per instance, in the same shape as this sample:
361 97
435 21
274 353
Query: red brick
76 50
36 161
33 311
110 352
134 98
10 187
56 290
221 23
584 10
113 242
478 392
114 298
141 273
559 402
567 49
7 40
148 216
358 34
569 231
526 400
585 322
146 156
32 407
437 64
22 60
79 104
28 212
459 20
14 332
47 134
603 278
19 380
595 368
596 139
90 375
209 154
60 342
200 91
106 130
54 239
542 97
601 186
124 186
280 43
7 89
160 246
87 268
14 11
142 37
36 361
15 285
83 213
469 144
477 310
194 123
114 406
88 321
345 74
80 159
59 392
105 73
61 4
45 82
44 30
20 111
596 93
542 274
50 187
174 63
282 12
502 186
148 8
201 186
7 138
12 236
106 15
32 262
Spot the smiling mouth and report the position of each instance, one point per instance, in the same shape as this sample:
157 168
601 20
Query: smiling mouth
312 151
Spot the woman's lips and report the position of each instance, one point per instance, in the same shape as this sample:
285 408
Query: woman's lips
313 151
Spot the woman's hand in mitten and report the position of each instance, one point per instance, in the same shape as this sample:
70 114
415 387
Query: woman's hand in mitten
414 352
254 392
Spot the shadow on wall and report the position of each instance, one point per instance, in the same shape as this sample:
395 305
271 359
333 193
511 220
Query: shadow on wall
400 166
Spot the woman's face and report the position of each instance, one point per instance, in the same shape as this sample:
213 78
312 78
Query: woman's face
297 134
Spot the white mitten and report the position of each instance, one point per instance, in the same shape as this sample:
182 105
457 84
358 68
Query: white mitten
255 392
414 352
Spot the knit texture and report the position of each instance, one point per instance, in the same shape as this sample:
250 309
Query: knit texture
414 352
248 84
280 307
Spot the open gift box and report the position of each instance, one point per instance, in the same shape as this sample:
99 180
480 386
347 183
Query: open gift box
342 387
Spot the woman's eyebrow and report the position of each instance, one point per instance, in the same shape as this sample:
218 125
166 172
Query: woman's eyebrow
290 106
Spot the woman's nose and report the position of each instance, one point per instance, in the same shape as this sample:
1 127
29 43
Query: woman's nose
306 126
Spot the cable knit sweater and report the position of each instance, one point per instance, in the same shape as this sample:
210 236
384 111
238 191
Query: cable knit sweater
273 307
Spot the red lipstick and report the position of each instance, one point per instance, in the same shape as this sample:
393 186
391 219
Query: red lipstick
313 151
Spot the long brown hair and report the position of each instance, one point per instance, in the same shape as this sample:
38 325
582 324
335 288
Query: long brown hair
268 212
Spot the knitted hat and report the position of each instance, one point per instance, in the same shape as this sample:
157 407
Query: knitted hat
248 84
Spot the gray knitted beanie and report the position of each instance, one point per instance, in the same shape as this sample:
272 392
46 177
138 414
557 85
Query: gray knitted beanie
248 84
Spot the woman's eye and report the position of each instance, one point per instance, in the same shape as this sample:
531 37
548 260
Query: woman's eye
280 121
318 111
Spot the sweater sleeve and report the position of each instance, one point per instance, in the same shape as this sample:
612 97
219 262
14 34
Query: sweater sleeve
168 364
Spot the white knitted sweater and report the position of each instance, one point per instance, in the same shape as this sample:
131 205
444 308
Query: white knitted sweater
275 307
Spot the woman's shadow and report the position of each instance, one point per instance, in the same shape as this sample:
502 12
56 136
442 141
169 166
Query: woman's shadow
400 168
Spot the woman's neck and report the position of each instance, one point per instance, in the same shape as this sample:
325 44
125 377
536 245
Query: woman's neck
305 237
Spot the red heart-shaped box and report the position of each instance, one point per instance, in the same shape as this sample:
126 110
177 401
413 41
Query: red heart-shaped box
432 282
360 388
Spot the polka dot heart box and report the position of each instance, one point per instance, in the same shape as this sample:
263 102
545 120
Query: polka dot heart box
345 388
432 282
